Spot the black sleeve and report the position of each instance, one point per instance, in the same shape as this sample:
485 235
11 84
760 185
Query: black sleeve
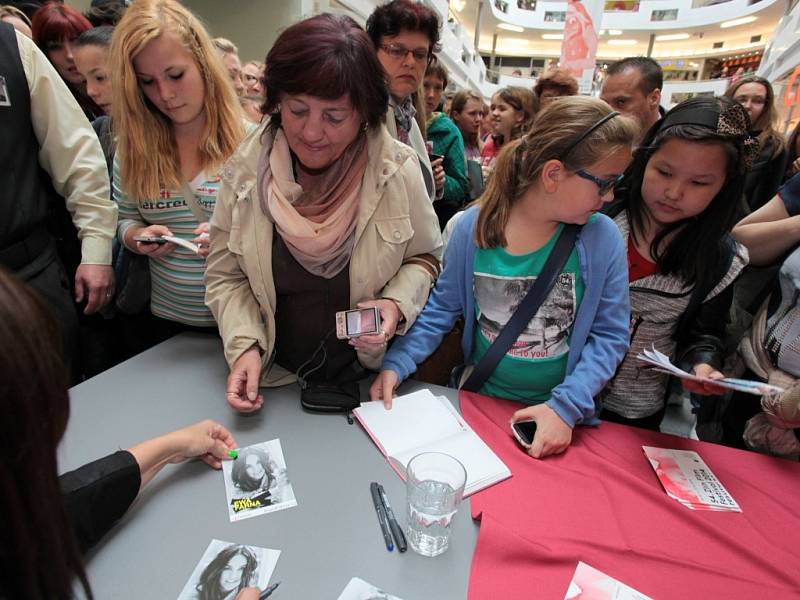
763 183
97 495
701 341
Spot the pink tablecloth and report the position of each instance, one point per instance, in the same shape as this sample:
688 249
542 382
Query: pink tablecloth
602 504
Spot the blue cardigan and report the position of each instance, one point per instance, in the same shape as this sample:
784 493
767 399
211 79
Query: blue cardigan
600 333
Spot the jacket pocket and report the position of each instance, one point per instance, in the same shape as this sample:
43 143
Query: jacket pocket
396 230
394 235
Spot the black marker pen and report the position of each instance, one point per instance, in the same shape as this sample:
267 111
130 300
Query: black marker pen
376 500
397 532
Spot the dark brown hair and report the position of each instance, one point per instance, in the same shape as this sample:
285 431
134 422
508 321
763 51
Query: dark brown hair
438 70
326 56
458 105
523 100
39 555
403 15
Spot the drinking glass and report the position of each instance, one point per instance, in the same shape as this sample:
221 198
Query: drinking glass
435 486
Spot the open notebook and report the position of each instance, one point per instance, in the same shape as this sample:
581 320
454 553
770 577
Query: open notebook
421 422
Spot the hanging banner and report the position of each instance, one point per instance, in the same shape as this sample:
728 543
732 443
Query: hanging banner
579 48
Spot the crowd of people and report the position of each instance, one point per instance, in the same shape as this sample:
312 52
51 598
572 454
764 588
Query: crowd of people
155 184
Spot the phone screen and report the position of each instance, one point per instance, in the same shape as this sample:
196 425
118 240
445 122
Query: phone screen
525 430
362 321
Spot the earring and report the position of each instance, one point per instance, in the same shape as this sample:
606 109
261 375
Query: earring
364 126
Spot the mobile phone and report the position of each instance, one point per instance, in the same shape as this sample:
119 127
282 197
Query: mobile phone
354 323
434 157
149 239
524 432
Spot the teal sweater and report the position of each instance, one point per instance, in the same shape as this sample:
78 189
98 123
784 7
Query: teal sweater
447 141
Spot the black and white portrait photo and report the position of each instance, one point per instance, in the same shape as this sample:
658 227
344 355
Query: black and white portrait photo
227 568
256 482
4 99
358 589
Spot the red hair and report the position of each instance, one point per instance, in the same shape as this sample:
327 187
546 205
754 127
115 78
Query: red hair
57 22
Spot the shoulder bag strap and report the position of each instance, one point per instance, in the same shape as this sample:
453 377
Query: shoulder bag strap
193 204
526 310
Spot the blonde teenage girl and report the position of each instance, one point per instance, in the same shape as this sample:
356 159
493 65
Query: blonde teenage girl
561 172
177 121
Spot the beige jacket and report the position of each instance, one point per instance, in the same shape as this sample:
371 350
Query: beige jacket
395 222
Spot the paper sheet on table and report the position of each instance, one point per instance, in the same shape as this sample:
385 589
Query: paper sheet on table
590 584
358 589
688 479
662 364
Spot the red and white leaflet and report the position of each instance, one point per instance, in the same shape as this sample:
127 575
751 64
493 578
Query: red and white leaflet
590 584
687 479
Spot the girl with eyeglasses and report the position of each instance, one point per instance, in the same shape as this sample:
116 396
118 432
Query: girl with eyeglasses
405 34
561 172
675 210
755 94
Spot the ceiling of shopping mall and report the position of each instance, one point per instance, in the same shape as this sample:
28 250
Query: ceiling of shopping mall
530 41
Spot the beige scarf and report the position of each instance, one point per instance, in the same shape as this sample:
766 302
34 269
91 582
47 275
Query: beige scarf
317 221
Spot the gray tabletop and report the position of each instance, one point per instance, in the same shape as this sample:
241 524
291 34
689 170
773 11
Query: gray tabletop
332 534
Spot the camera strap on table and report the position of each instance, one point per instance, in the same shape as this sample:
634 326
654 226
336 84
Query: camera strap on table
526 310
338 396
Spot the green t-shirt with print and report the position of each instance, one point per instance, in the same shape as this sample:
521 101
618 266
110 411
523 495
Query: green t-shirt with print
537 361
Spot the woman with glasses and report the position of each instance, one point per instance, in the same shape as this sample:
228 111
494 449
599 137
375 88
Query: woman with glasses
560 173
756 96
405 34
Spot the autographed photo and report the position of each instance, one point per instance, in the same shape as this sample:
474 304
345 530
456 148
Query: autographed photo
256 481
226 568
358 589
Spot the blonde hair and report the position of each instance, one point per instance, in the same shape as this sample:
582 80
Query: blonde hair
554 130
225 46
7 10
146 141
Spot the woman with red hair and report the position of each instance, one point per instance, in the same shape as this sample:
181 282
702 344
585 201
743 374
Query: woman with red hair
55 27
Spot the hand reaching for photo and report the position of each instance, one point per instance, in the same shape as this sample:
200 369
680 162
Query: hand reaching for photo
207 440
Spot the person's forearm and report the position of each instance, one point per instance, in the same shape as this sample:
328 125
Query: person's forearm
766 242
153 455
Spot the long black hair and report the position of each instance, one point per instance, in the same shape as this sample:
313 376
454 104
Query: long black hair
699 252
39 556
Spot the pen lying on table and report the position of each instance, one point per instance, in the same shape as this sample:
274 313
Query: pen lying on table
379 509
397 532
268 591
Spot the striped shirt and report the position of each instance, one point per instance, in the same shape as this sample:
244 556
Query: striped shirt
177 278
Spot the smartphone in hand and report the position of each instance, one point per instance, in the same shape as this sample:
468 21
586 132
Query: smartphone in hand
149 239
524 431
